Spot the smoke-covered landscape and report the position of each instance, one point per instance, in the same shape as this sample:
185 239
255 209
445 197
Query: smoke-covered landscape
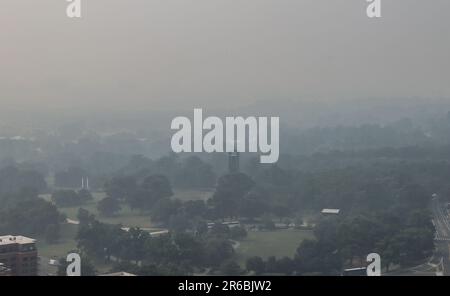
224 138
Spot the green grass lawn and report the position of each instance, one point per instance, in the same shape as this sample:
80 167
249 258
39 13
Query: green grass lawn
279 243
65 244
188 194
127 216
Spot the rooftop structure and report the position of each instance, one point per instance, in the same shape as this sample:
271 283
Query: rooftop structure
4 270
331 211
11 239
19 255
359 271
121 273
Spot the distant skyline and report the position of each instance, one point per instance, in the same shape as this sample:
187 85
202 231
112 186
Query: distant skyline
136 54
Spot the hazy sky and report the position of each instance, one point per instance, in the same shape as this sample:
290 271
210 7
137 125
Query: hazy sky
164 54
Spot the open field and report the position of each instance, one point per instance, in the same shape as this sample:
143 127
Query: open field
127 216
279 243
188 194
65 244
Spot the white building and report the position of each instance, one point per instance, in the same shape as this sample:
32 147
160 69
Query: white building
331 211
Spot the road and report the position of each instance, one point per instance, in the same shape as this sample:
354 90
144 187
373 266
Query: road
440 220
442 238
439 263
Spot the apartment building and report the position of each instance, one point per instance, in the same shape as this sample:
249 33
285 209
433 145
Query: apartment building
18 254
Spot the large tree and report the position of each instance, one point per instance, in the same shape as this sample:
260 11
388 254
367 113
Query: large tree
108 206
152 189
30 217
230 191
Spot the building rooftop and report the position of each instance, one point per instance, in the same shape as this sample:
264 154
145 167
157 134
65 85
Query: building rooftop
4 268
121 273
11 239
356 269
331 211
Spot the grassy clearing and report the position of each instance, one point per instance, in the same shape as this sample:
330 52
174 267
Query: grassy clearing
279 243
186 195
127 216
65 244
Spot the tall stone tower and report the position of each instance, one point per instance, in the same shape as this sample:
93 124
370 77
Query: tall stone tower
233 162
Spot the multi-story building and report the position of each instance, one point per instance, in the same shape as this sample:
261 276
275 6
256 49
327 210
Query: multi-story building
19 255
